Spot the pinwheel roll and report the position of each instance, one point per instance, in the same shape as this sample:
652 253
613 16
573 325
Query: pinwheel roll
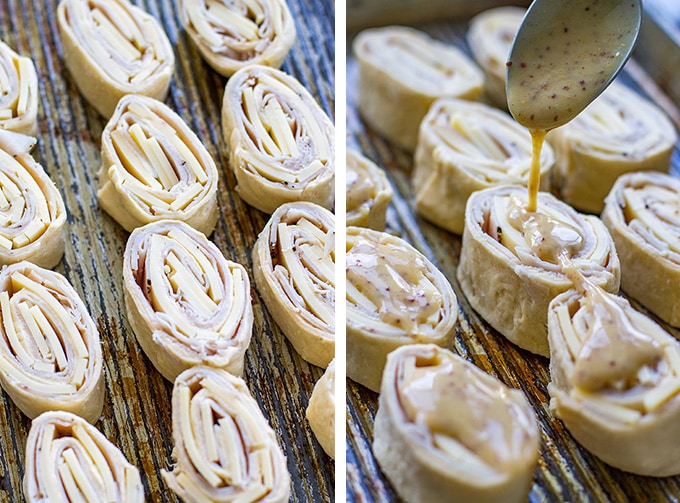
225 451
447 431
401 72
294 270
113 48
395 297
18 92
368 192
618 133
154 167
50 354
615 381
464 147
233 34
642 213
32 212
281 143
68 459
186 303
321 410
490 37
511 260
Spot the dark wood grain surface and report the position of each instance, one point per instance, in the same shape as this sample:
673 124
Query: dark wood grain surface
137 412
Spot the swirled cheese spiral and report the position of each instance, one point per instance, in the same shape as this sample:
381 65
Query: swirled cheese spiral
186 303
294 270
113 48
225 451
18 92
154 167
368 192
281 143
233 34
321 410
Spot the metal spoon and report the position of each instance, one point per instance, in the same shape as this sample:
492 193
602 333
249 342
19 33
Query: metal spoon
565 54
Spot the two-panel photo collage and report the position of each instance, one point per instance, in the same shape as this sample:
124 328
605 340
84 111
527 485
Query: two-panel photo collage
317 251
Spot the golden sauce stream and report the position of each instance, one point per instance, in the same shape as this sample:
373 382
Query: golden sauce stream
537 139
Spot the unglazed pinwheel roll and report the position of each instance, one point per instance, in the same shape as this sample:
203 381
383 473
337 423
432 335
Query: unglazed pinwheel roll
50 354
18 92
615 381
618 133
368 193
231 35
395 297
225 451
186 303
463 147
321 410
642 214
154 167
490 38
401 72
281 143
294 270
113 48
68 459
511 260
447 431
32 212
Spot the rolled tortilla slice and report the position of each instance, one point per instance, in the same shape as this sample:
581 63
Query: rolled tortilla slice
186 303
225 451
68 459
490 37
321 410
294 270
401 72
368 193
18 92
281 143
509 265
395 297
32 212
50 354
618 133
447 431
154 168
231 35
615 381
464 147
642 214
113 48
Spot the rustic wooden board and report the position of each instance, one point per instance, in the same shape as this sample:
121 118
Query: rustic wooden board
565 472
137 411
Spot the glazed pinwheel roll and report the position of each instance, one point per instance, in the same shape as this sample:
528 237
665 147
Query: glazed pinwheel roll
618 133
321 410
615 381
395 297
490 37
32 212
641 213
294 271
511 260
225 451
68 459
18 92
154 168
50 354
368 193
231 35
447 431
401 72
281 143
186 303
113 48
464 147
